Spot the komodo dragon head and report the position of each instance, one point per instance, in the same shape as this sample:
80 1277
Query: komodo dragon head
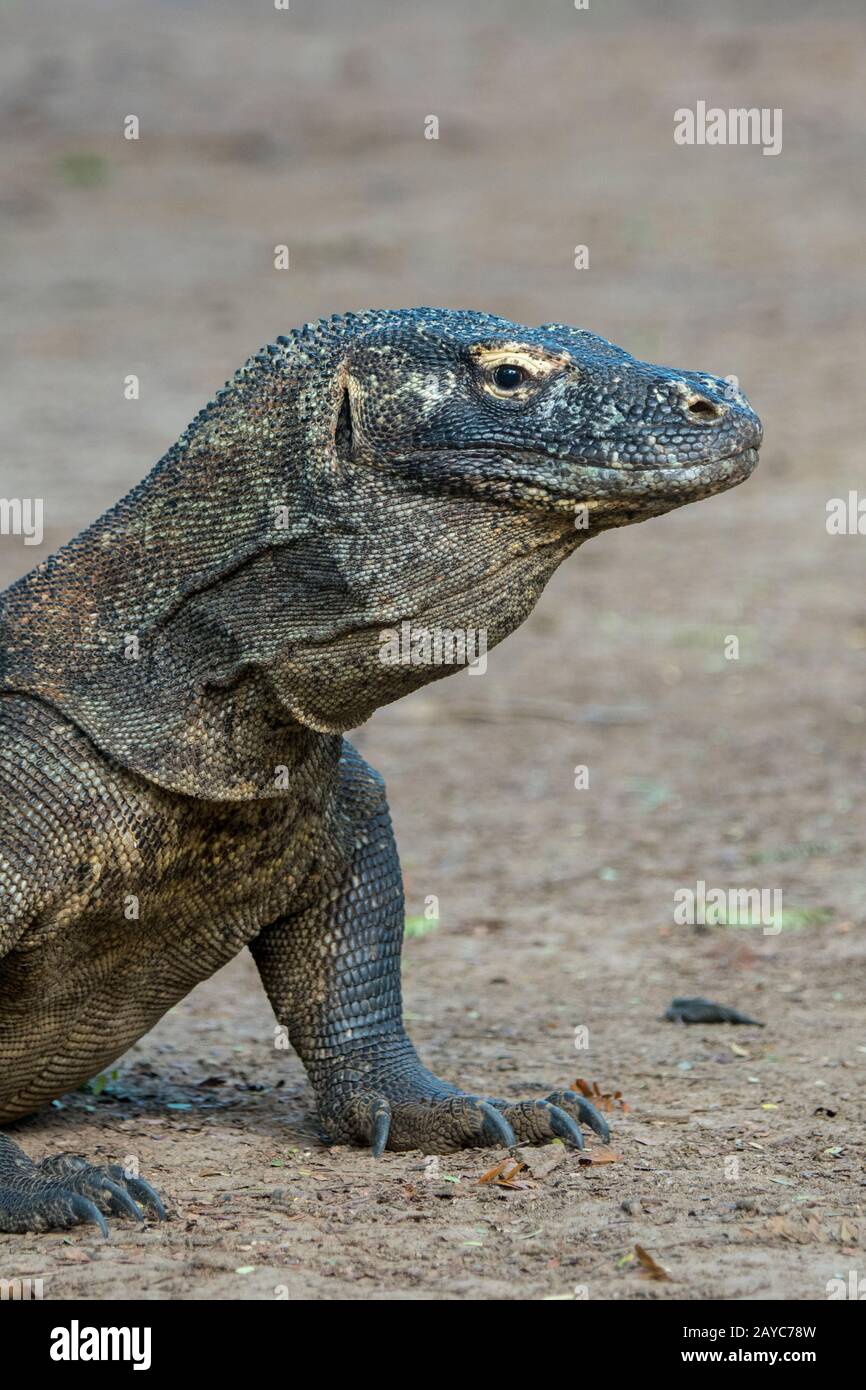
428 467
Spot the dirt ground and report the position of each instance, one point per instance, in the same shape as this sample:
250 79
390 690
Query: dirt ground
556 904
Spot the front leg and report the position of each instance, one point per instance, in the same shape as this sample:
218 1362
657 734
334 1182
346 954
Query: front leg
332 974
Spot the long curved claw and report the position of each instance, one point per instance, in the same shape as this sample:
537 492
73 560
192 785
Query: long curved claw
120 1200
144 1193
596 1121
381 1128
496 1129
87 1211
570 1100
564 1127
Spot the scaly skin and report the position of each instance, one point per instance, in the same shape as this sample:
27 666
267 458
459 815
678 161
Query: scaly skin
175 684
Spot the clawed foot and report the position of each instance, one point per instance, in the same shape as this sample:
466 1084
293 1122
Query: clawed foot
66 1191
439 1119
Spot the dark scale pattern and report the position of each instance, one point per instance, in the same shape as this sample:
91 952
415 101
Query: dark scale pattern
420 465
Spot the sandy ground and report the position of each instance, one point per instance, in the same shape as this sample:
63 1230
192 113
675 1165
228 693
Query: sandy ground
556 905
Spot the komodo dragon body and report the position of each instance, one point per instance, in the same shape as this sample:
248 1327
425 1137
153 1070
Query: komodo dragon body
176 681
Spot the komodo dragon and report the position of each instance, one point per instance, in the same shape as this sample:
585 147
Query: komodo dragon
176 681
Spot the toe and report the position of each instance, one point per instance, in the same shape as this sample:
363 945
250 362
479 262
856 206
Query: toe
47 1206
365 1119
442 1126
536 1121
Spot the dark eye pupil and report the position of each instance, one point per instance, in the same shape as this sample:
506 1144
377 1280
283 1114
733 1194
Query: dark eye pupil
506 378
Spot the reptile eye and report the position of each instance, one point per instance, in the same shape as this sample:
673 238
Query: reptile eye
508 377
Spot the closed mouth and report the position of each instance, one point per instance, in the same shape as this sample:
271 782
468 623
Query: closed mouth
741 456
606 479
508 454
651 466
518 477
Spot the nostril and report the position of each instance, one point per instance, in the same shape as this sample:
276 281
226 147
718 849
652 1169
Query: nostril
701 408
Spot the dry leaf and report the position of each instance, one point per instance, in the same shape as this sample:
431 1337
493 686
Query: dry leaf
504 1174
602 1100
495 1172
650 1265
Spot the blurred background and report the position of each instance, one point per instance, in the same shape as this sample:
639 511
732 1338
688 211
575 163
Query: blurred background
155 257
